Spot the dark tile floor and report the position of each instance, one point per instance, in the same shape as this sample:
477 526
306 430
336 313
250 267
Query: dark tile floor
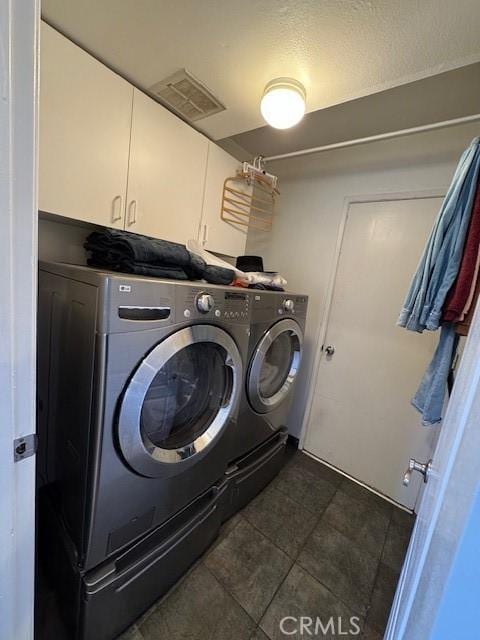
311 544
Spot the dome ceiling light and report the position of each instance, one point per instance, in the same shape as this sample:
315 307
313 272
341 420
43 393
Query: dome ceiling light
283 103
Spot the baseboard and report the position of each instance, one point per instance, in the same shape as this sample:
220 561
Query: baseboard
293 441
362 484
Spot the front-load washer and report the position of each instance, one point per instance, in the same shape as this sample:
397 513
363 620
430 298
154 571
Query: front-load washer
139 383
277 325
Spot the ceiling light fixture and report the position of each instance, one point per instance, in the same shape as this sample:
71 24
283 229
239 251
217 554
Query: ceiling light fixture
283 103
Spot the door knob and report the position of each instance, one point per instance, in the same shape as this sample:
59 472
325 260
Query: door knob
330 350
422 467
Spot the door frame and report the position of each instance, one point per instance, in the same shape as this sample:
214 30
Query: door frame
19 29
446 515
323 326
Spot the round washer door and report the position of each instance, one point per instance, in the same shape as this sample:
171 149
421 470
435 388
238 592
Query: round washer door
179 399
274 366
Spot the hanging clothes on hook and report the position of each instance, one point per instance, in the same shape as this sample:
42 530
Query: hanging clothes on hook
440 262
436 273
460 296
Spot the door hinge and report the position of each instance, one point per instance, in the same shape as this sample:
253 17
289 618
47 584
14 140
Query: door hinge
25 447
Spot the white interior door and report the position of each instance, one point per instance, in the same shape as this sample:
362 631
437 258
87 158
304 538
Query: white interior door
361 420
437 597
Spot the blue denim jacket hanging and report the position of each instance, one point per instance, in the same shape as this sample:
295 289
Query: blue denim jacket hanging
441 258
430 395
435 274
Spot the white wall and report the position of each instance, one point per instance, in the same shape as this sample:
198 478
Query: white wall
313 192
61 240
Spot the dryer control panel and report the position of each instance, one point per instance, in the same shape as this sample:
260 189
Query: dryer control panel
269 305
292 305
194 303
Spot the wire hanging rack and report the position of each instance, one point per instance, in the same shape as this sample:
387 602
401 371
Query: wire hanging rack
249 197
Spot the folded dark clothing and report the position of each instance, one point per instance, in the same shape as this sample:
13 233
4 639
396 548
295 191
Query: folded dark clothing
131 253
142 249
141 269
196 268
118 262
265 287
218 275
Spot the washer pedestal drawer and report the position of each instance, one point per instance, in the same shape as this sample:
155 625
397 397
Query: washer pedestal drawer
248 475
103 602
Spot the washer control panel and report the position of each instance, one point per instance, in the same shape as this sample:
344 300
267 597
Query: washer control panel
204 302
235 305
217 304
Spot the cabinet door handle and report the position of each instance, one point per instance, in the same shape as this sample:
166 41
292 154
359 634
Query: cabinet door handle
115 201
205 234
132 213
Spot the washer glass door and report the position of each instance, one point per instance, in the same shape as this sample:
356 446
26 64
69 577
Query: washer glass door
274 366
180 398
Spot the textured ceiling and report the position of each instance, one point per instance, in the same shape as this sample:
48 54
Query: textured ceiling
339 49
446 96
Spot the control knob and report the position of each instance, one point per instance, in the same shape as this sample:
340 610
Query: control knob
288 305
205 302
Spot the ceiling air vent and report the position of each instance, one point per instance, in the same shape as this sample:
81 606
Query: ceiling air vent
187 96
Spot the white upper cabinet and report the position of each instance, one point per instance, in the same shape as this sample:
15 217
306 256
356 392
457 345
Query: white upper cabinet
216 234
85 119
166 176
112 156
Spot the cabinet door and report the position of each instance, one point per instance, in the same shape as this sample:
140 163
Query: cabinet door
216 234
166 173
85 119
